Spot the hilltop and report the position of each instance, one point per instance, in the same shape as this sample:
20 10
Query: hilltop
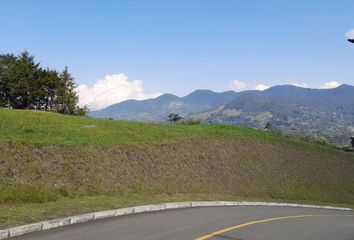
293 110
54 165
157 109
328 113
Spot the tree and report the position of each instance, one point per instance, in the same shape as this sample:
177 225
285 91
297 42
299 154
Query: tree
25 85
7 62
268 127
82 111
173 117
47 87
26 73
67 98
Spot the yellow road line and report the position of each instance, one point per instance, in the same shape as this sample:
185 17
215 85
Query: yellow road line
252 223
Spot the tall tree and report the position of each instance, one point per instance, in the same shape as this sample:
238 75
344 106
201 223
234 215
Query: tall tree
22 91
67 99
25 85
45 89
7 62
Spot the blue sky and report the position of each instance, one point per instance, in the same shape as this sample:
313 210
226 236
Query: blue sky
182 45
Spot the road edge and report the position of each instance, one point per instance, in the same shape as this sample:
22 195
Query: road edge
59 222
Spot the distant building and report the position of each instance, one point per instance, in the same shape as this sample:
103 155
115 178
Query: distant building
352 141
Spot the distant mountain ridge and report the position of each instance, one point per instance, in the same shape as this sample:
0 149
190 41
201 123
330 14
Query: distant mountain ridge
157 109
291 109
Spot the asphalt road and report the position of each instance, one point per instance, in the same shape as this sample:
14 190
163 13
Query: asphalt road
223 223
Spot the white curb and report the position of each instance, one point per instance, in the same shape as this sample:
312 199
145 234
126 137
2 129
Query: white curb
4 234
82 218
141 209
20 230
158 207
104 214
124 211
54 223
59 222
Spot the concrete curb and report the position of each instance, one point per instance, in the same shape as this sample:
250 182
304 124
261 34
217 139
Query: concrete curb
54 223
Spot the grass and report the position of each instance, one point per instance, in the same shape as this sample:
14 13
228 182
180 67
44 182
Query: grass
54 165
37 127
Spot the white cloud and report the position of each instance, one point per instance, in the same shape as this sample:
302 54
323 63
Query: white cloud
302 85
331 84
237 85
350 34
261 87
112 89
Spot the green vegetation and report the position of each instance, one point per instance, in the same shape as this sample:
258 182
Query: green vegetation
54 165
319 115
36 127
26 85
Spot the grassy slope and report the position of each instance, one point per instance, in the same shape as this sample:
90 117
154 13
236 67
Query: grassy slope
53 165
50 128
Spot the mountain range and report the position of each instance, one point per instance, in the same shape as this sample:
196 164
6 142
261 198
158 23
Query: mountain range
157 109
290 109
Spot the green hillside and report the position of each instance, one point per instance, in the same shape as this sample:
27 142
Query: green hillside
38 127
53 165
297 111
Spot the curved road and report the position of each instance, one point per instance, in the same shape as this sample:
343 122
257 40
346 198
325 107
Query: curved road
223 223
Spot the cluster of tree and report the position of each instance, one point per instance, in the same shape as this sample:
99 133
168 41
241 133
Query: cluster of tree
24 84
176 118
173 118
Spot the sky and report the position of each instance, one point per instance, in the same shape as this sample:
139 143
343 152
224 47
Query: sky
129 49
